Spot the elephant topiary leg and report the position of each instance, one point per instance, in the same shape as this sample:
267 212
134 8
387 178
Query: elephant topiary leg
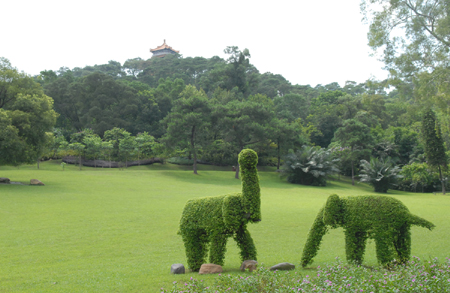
355 245
196 244
245 243
403 243
384 248
217 248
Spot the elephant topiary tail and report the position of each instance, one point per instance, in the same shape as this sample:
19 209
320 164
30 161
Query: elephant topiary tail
314 239
418 221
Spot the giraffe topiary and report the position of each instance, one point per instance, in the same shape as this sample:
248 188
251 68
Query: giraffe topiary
210 221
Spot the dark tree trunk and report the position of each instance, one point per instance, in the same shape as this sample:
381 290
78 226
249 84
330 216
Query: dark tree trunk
442 181
278 163
237 172
353 174
193 150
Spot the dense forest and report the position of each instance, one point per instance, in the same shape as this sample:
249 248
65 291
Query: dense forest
208 109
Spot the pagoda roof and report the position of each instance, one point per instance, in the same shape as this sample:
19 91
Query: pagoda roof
162 47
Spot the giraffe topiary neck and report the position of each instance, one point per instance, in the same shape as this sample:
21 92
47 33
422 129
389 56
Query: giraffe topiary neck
251 194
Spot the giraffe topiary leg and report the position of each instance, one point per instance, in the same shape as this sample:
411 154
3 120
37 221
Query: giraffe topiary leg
384 248
402 243
196 245
245 243
355 245
217 248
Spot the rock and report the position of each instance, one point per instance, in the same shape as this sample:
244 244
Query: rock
249 264
36 182
177 268
5 180
209 268
284 266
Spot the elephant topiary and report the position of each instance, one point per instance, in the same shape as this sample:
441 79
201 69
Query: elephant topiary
384 219
212 220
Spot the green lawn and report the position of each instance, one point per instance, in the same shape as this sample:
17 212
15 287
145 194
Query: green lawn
110 230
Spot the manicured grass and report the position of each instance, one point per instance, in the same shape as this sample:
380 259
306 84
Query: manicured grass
110 230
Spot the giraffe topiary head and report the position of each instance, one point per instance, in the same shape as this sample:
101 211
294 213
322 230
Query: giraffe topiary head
251 195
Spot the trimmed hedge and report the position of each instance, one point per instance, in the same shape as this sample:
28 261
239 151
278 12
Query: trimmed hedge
384 219
209 222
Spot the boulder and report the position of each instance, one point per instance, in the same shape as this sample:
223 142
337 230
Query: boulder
249 264
284 266
177 268
209 268
5 180
36 182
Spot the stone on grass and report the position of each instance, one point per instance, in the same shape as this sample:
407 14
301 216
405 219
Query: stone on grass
177 268
249 264
5 180
36 182
209 268
284 266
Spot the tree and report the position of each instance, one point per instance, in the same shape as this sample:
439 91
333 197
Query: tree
285 136
127 146
93 145
106 149
382 174
355 135
14 83
413 34
78 149
114 136
309 166
26 116
188 120
434 145
144 145
244 123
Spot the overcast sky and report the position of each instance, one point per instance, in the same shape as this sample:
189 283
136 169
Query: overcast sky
308 42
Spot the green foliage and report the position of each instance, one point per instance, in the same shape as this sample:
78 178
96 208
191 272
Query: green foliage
380 173
214 219
412 34
180 161
309 166
419 177
434 145
384 219
188 121
26 117
413 276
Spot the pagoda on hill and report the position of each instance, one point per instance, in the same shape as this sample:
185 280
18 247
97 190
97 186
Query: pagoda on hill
163 50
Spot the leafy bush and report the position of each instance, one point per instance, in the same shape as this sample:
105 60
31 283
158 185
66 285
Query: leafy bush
414 276
381 174
309 166
180 161
420 177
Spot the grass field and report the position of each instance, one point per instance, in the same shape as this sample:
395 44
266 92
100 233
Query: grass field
110 230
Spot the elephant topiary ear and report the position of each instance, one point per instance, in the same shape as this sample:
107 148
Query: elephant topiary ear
333 211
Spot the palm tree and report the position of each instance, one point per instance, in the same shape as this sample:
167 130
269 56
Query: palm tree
309 166
381 174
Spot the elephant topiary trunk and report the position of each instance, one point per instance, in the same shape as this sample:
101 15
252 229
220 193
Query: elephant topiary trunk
384 219
209 222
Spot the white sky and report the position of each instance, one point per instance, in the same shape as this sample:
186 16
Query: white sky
308 42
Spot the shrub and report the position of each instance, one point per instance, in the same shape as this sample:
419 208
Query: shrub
414 276
180 161
309 166
381 174
420 177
